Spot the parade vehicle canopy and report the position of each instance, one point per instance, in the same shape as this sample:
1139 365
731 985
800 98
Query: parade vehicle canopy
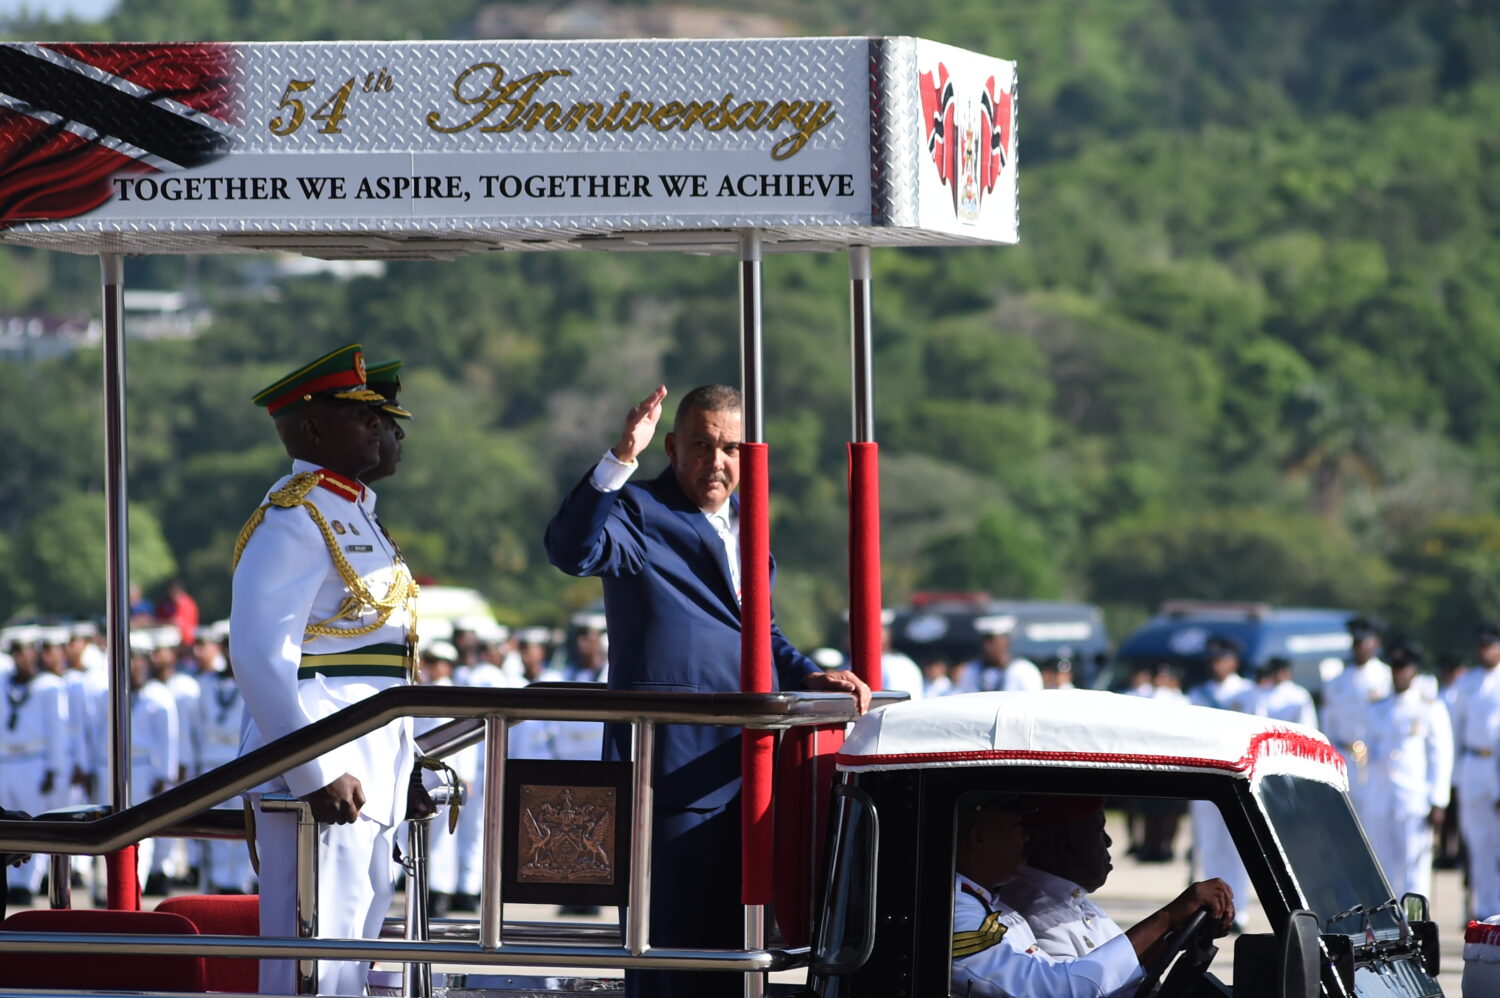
1086 728
420 150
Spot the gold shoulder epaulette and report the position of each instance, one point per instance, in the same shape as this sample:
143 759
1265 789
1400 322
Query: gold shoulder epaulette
293 492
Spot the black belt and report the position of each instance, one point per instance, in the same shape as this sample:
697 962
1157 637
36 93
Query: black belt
1483 753
391 661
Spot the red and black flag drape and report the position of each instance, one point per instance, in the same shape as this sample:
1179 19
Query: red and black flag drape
72 116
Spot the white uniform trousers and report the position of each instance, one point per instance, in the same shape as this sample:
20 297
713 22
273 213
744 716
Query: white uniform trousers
469 844
1403 845
1480 824
356 881
1214 855
20 780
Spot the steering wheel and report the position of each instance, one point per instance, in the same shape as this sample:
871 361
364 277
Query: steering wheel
1194 941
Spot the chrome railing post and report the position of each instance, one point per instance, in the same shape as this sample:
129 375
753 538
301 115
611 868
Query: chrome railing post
307 880
60 881
417 982
491 903
638 900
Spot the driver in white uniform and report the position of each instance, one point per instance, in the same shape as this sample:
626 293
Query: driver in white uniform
995 953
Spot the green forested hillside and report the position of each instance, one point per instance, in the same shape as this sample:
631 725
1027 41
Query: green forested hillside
1248 348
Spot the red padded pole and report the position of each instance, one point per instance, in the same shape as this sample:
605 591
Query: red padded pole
124 887
864 562
757 835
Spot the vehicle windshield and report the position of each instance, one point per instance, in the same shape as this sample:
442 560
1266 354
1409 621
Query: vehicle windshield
1335 871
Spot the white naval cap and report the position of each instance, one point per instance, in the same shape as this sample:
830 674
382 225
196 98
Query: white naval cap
165 637
52 635
18 634
827 658
84 629
534 635
142 642
484 628
1003 623
589 621
441 649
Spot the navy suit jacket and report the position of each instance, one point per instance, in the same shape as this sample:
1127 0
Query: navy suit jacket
674 622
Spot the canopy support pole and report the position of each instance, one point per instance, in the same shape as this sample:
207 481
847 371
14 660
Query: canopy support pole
124 885
866 639
757 747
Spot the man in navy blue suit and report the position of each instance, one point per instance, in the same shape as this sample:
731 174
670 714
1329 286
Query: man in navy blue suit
668 553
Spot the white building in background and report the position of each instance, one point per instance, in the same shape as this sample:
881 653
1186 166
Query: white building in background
31 337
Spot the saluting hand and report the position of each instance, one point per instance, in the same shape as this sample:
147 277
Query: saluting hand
640 426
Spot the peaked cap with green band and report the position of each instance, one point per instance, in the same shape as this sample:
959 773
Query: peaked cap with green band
340 375
385 379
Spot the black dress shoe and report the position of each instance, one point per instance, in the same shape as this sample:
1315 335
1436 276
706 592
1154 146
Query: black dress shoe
438 903
155 884
463 902
19 896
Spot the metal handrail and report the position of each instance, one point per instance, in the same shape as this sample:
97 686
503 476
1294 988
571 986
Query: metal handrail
183 804
400 951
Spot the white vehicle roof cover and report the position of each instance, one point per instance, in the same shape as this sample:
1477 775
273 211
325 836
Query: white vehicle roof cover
1075 728
418 150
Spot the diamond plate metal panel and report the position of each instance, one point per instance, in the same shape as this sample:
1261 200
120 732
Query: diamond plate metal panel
462 146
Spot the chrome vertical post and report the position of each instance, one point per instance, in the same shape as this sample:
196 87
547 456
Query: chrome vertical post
491 903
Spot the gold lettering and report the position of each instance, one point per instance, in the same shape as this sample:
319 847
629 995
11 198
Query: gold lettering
721 114
594 112
666 115
637 115
807 125
551 110
501 105
614 112
757 109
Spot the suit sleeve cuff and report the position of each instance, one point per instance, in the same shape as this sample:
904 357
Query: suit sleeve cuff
611 474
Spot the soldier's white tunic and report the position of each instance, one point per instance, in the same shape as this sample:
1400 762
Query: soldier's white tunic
1017 675
220 718
1346 706
995 955
1411 769
471 818
1286 701
286 582
33 747
1214 852
1065 920
1476 735
171 855
442 845
154 743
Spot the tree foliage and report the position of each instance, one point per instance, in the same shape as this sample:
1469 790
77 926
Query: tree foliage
1249 346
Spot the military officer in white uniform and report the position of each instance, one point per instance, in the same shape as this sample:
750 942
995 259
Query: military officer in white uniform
1067 859
996 668
1278 697
154 742
323 616
1346 706
1214 853
589 663
221 712
1411 768
996 955
34 759
1476 735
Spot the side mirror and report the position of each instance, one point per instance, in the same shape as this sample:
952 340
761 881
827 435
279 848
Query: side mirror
1423 929
1300 951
